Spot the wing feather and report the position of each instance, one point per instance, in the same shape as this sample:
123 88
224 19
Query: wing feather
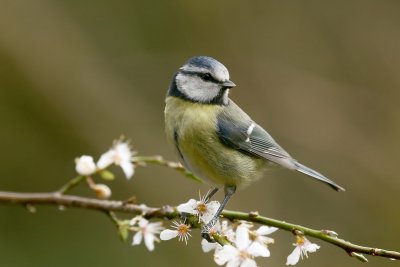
236 130
255 141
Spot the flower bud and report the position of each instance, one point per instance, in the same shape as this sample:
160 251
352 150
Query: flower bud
85 165
102 191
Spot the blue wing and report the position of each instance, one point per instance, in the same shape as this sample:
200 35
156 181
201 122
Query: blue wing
236 130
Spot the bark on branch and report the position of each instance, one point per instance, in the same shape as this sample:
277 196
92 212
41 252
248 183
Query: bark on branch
168 212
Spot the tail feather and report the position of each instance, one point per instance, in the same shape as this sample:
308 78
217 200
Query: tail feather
314 174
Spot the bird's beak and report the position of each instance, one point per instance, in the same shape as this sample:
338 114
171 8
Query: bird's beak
228 84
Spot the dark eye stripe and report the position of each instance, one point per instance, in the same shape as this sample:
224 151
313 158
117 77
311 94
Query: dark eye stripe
204 76
207 77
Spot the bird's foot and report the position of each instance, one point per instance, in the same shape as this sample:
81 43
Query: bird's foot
205 232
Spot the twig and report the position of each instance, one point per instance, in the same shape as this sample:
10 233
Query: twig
319 234
71 184
169 212
142 160
138 161
75 201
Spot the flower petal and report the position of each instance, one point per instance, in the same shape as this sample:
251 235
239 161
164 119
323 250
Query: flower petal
149 241
127 168
207 246
235 262
242 237
294 257
206 217
155 228
143 222
106 159
227 253
212 208
123 150
256 249
265 230
311 247
188 207
168 234
137 238
248 263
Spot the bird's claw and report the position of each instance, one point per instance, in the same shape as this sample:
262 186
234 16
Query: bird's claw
207 237
205 232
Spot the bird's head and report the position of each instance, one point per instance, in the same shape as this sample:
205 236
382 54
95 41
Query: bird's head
204 80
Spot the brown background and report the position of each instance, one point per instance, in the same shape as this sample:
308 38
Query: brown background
323 78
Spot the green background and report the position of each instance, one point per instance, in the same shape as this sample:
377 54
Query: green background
322 77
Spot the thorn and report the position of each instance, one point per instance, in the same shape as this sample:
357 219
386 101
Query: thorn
359 256
253 214
130 200
330 233
297 232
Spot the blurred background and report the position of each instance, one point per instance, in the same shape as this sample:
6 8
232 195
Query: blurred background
323 78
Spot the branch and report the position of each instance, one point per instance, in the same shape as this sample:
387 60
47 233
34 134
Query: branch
168 212
325 235
88 203
159 160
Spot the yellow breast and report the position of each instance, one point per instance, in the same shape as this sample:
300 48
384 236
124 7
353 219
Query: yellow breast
191 128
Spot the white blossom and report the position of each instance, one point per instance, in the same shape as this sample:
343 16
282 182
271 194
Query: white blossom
302 247
84 165
120 154
224 230
181 231
259 241
146 230
238 255
203 209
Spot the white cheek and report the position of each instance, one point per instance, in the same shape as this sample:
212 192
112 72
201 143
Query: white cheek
225 98
197 89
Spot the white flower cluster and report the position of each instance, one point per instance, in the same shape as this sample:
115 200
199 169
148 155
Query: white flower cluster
245 243
119 154
202 208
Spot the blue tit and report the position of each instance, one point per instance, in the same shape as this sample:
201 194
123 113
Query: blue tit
214 138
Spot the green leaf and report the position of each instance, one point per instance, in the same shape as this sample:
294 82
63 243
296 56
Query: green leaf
107 175
123 230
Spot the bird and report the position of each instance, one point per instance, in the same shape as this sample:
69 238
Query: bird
215 139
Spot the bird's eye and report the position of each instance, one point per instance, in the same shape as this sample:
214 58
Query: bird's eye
206 77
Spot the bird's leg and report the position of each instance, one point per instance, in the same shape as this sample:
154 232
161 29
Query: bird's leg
205 232
210 194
